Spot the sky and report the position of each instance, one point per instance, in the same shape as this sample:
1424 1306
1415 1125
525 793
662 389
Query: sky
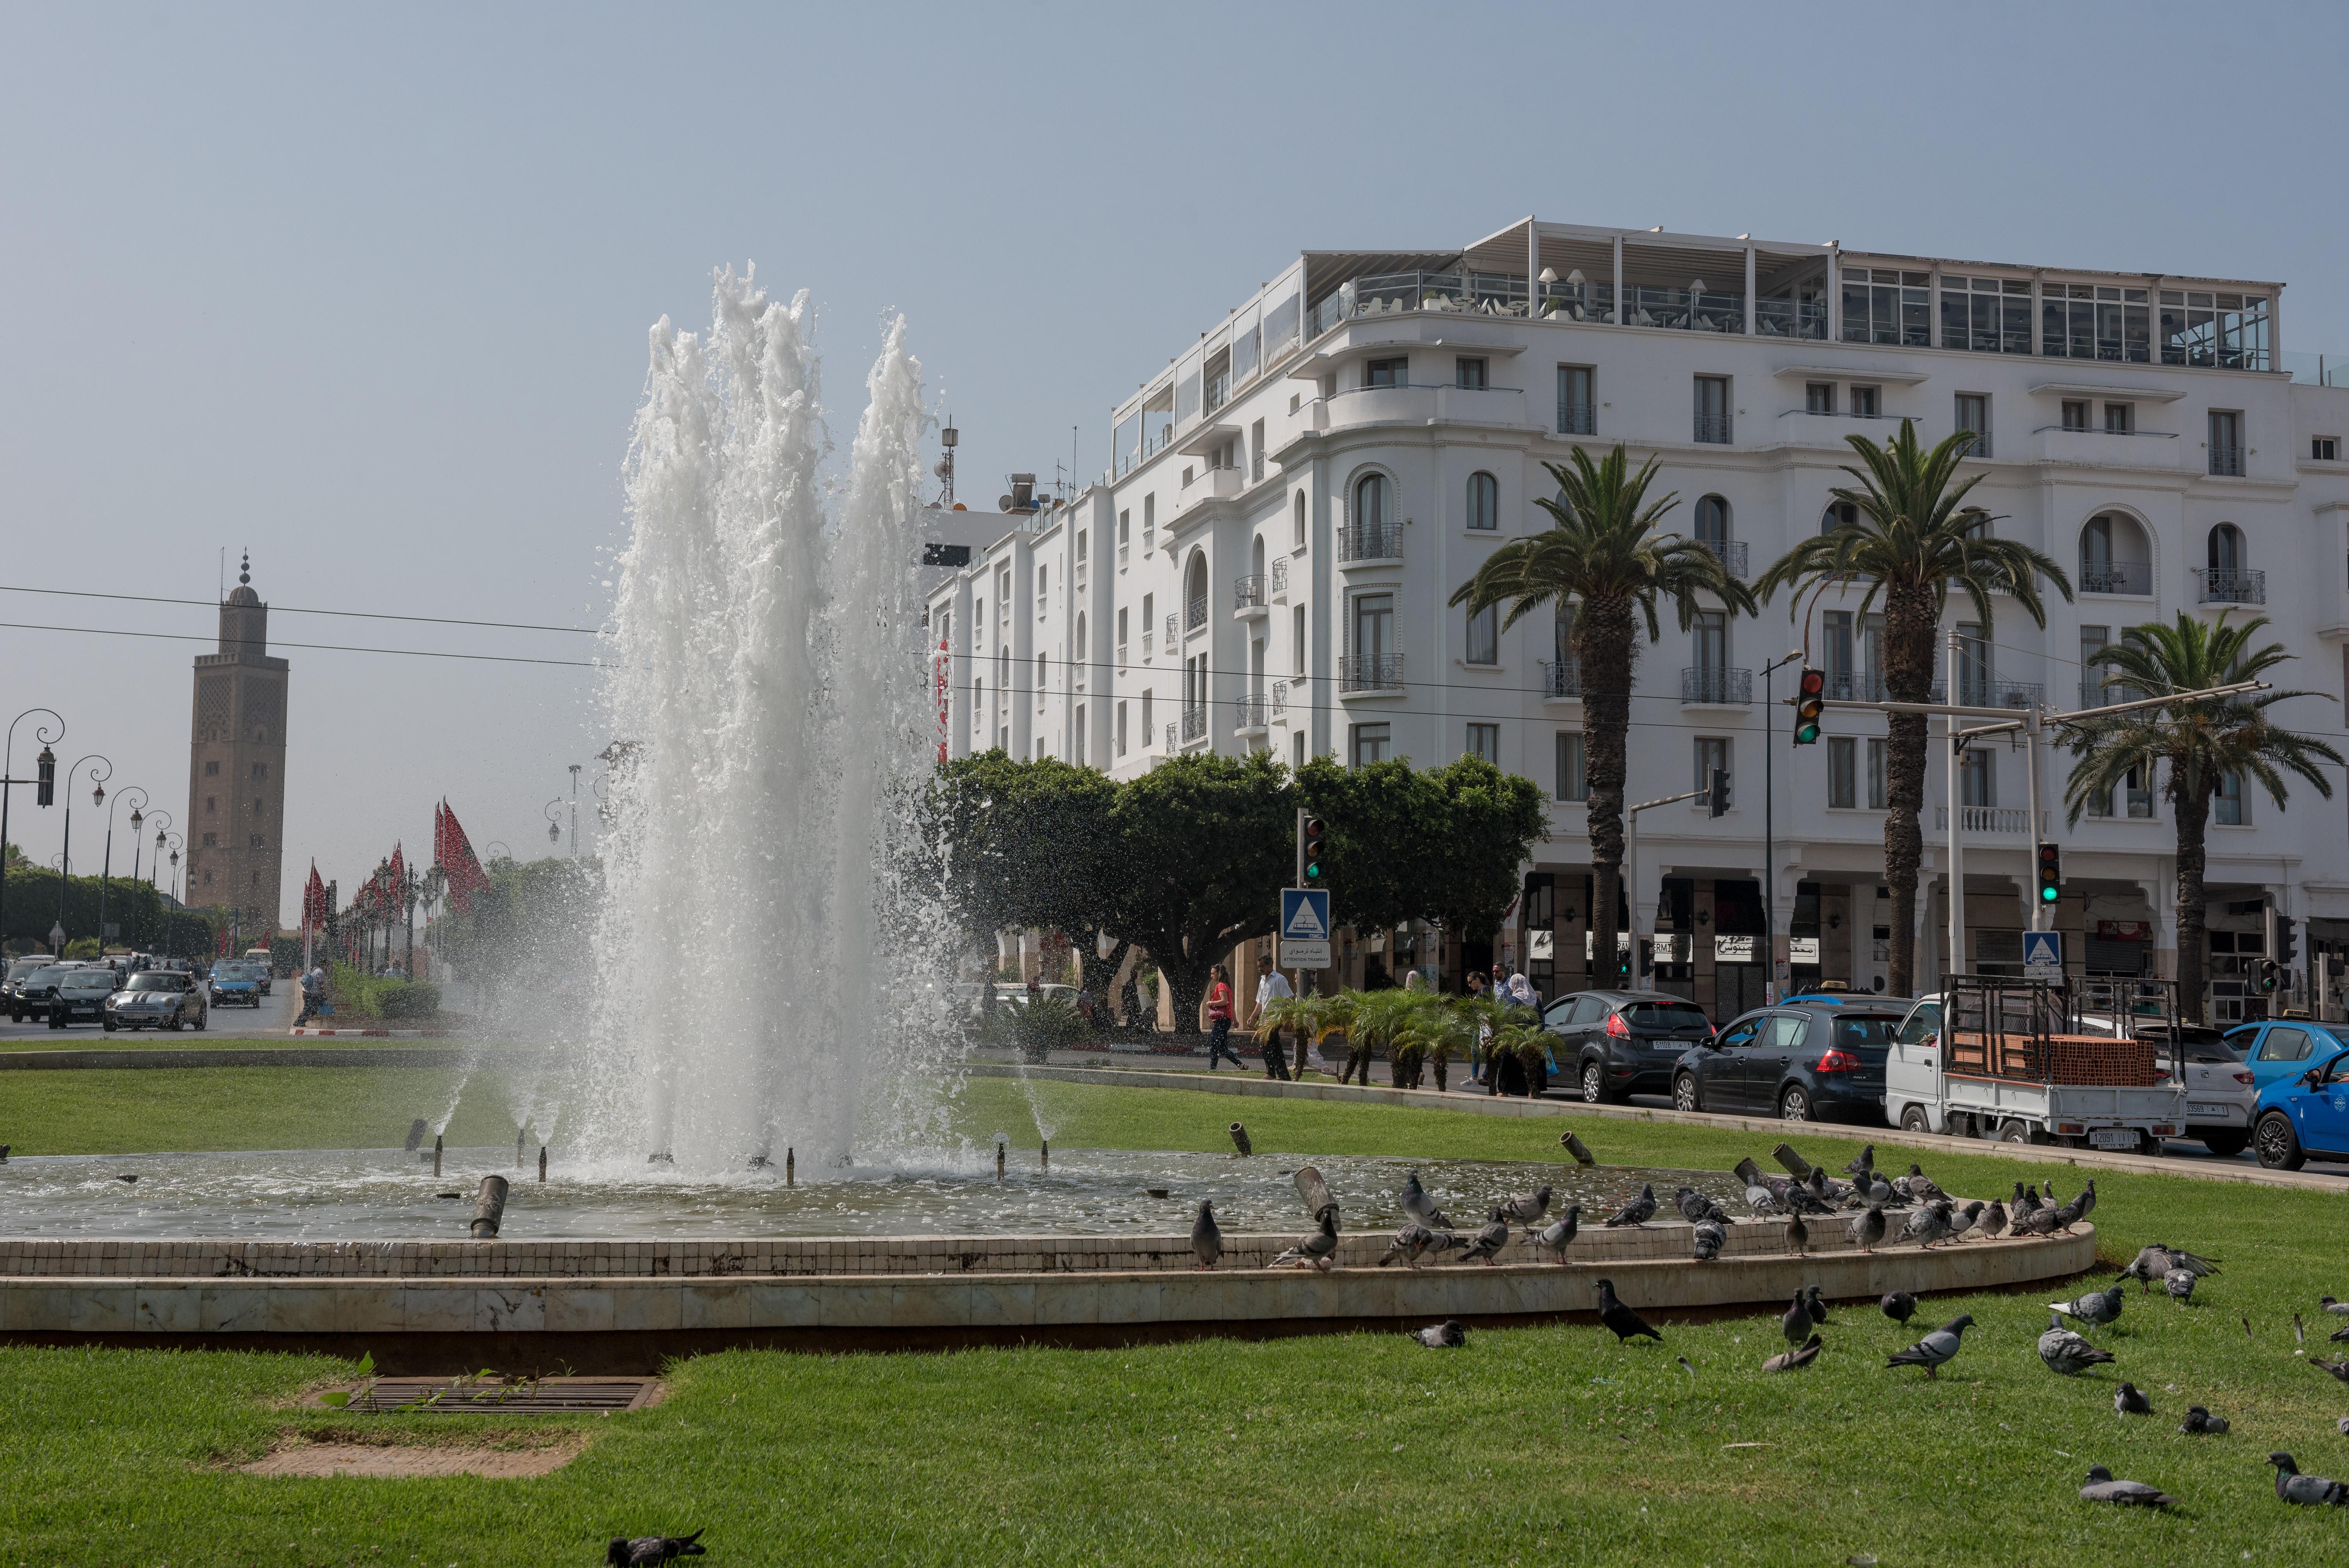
365 290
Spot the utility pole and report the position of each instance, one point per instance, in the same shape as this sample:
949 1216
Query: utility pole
1717 791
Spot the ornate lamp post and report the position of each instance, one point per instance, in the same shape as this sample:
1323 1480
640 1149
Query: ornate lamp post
106 866
44 779
555 820
410 889
163 821
65 855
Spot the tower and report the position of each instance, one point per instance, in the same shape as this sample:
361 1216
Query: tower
236 766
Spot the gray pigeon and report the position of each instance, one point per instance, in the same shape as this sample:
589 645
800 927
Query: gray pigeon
1963 1219
1574 1146
1612 1312
1899 1306
2344 1425
2103 1488
647 1550
2337 1336
2311 1489
2128 1400
1411 1243
2153 1262
1870 1230
1639 1210
1317 1251
2338 1309
1862 1162
2179 1284
2070 1215
2200 1423
1798 1235
1935 1350
1692 1205
1206 1237
1883 1194
1446 1336
1994 1219
2338 1368
1928 1224
1920 1186
1419 1205
1488 1241
1796 1321
1559 1235
1525 1208
1796 1359
2098 1306
1758 1198
2087 1198
1707 1240
2039 1222
2066 1353
1817 1306
2025 1199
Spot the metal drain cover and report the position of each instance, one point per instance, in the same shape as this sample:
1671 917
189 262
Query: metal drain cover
520 1396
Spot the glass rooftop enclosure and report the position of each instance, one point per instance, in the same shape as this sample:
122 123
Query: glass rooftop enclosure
1649 279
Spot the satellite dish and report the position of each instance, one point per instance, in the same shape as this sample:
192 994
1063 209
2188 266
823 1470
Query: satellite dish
1003 503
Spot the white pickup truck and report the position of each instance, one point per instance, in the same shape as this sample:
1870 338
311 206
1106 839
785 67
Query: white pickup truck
2010 1069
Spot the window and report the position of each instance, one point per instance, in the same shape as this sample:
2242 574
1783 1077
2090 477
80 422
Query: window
1149 519
1146 731
211 769
2227 442
1042 575
1297 749
1126 526
1148 620
2095 321
1978 777
1882 305
1576 412
2226 548
211 804
1082 535
1843 771
1297 636
2226 330
1988 316
1121 729
1973 665
1187 473
2228 803
1974 416
2284 1045
1077 736
1373 624
1387 373
1370 743
1818 398
1573 777
1370 508
1471 373
2092 674
253 841
1712 408
1712 522
1301 519
212 840
1485 636
1195 595
978 622
2120 419
1712 756
1835 656
1711 641
1484 502
1838 514
2075 413
2324 448
978 704
1866 402
1120 631
257 807
1876 792
1256 451
1485 742
1040 680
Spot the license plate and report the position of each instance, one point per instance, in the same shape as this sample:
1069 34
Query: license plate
2113 1138
2197 1107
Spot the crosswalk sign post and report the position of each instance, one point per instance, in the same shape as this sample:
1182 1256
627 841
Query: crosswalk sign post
2042 955
1304 928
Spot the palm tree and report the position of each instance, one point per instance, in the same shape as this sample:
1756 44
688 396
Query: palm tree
1605 550
1915 537
2200 742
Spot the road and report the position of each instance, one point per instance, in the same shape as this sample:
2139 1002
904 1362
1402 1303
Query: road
272 1017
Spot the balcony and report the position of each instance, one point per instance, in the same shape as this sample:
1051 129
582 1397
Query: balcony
1991 691
1732 553
1402 294
2227 461
1249 597
1145 646
2116 577
1684 310
1562 679
2094 695
1195 615
1123 551
1279 697
1993 819
1211 484
1789 317
1361 674
1369 543
1279 576
1419 403
1195 723
2108 449
1713 686
1121 655
1577 419
1711 429
1254 716
2223 585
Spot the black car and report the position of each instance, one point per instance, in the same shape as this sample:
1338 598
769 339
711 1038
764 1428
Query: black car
80 994
36 993
1618 1043
1802 1061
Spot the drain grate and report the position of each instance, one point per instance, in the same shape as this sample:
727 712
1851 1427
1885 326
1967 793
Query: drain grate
522 1397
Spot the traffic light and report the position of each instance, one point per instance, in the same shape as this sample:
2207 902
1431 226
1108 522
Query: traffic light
1810 702
2270 976
1310 841
44 792
1717 793
2051 873
2287 942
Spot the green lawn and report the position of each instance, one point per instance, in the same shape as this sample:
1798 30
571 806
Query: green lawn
156 1040
1539 1445
103 1111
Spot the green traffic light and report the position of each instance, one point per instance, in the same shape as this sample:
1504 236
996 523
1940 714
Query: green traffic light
1313 871
1805 734
2049 894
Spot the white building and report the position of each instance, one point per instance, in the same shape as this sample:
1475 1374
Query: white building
1291 500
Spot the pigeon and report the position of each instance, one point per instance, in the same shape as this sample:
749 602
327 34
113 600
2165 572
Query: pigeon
1796 1321
2179 1284
131 1178
1488 1241
1758 1198
1559 1235
1869 1228
2200 1423
2338 1368
2103 1488
1920 1186
1694 1205
1928 1224
1411 1243
1936 1348
1444 1242
1798 1235
1446 1336
1994 1220
2311 1489
1618 1318
2066 1353
1899 1306
2128 1401
2039 1222
1862 1164
2337 1308
1316 1251
1525 1207
1963 1221
1795 1359
2088 1198
2070 1215
2338 1335
1880 1193
2025 1199
1419 1205
1639 1211
1574 1147
2156 1261
1207 1239
4 1152
2098 1306
1707 1240
650 1549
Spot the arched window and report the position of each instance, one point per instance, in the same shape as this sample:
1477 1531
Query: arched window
1194 592
2113 555
1371 504
1301 519
1256 556
1838 514
1713 521
2226 548
1484 502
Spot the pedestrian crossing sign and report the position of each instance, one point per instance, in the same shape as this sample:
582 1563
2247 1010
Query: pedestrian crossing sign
1304 928
2043 954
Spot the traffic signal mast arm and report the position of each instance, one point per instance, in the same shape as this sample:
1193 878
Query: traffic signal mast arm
1717 791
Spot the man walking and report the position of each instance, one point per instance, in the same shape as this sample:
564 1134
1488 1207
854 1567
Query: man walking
1274 983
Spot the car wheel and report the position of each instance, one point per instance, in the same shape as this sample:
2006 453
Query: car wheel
202 1020
1914 1120
1594 1084
1685 1095
2228 1144
111 1025
2014 1132
1794 1105
2278 1144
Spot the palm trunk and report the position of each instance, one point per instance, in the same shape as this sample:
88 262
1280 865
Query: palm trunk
2193 820
1603 644
1910 619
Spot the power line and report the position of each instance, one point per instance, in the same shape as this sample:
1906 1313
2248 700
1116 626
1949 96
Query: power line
325 647
297 610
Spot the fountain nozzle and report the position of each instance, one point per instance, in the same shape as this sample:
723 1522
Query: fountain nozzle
542 1164
791 1166
1240 1138
436 1154
1048 1153
1000 1149
489 1207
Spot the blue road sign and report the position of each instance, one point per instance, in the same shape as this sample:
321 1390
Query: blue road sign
2042 954
1304 914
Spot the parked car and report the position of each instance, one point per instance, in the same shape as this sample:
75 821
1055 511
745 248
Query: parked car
2281 1048
2304 1115
157 999
2222 1093
36 992
1612 1044
233 985
80 995
1813 1060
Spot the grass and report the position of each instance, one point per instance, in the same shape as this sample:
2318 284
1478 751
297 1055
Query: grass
156 1040
1537 1445
105 1110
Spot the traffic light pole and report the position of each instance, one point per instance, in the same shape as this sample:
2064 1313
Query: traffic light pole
1631 857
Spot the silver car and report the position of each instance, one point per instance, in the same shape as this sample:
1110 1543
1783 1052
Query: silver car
157 999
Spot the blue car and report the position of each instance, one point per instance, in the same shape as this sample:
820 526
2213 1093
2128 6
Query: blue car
2282 1048
235 985
2304 1115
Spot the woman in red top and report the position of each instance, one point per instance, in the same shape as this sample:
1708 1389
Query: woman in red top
1219 1019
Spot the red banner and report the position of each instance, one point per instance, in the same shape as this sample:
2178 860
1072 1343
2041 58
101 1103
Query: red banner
454 853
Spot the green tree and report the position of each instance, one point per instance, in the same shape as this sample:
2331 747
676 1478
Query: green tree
1031 844
1486 826
1915 536
2192 746
1607 554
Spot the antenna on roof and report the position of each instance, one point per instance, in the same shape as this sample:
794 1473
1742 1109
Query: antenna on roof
948 438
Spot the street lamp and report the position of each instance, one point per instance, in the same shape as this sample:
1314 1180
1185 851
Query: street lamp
555 820
65 855
106 866
44 779
575 809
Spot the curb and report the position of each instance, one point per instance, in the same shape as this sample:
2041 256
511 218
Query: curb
1490 1105
299 1033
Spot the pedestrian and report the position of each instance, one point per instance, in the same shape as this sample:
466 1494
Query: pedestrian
1412 980
1220 1020
1271 984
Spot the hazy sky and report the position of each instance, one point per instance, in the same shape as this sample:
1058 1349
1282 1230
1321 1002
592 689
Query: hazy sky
366 290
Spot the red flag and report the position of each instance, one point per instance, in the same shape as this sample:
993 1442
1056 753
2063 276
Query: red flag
398 870
458 863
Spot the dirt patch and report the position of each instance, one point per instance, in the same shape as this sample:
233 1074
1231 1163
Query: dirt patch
403 1460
